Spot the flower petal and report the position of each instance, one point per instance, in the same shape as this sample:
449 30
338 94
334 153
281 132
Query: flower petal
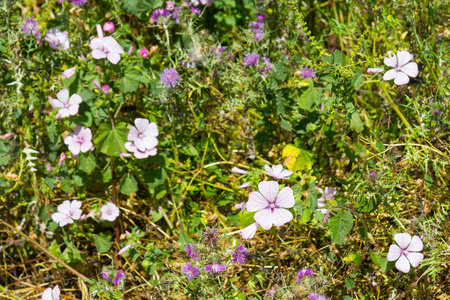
414 258
394 253
61 219
403 57
63 112
269 189
249 231
140 144
256 202
86 146
47 294
403 264
391 60
56 103
403 239
98 54
63 95
416 244
285 174
75 99
281 216
130 146
113 57
132 134
285 198
264 218
269 170
73 110
75 148
151 130
401 78
141 124
112 45
389 75
411 69
150 142
56 292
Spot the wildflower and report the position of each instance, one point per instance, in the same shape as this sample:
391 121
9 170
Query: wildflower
138 153
62 158
143 52
68 73
436 112
29 27
97 84
50 294
108 26
305 272
67 212
57 39
144 134
402 69
192 251
249 231
120 276
109 212
170 6
82 57
105 275
207 2
175 14
372 174
124 249
256 25
130 50
7 136
251 60
268 66
240 206
79 141
169 77
258 35
261 18
190 271
239 171
269 203
105 47
38 36
328 195
407 254
316 296
49 168
374 70
211 235
277 172
240 255
215 268
106 89
243 186
272 292
307 73
195 10
78 2
67 107
160 12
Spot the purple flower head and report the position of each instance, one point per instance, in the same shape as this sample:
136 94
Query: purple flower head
105 275
317 297
169 77
268 66
240 255
29 27
307 73
192 251
372 174
402 67
190 271
261 18
57 39
407 252
175 14
272 292
256 25
195 10
79 140
305 272
78 2
120 276
436 112
215 268
258 35
160 12
251 60
211 236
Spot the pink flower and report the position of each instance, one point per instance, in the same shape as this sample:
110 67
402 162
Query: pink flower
105 47
328 195
243 186
97 84
109 212
108 26
138 153
67 107
240 206
62 158
239 171
57 39
68 73
130 50
407 253
143 52
269 204
7 136
125 155
170 6
249 231
402 69
67 212
49 168
48 294
124 249
374 70
106 89
144 134
79 141
277 172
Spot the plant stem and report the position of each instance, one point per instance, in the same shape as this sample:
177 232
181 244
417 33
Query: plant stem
276 249
397 110
115 198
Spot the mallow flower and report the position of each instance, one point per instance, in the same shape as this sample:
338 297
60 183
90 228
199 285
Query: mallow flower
67 212
402 67
327 195
50 294
144 134
105 47
68 73
109 212
407 252
277 172
249 231
79 140
57 39
67 106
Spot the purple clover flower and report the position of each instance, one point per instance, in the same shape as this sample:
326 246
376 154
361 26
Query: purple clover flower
160 12
316 296
192 251
104 274
305 272
240 255
256 25
268 66
307 73
251 60
195 10
120 276
261 18
272 292
190 271
169 77
258 35
29 27
211 236
215 268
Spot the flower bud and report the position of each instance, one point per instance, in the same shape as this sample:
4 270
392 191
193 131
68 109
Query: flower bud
108 26
143 52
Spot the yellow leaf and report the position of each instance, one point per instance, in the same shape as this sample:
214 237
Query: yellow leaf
290 152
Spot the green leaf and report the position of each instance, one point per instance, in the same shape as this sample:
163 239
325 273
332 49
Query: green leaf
111 141
129 185
246 218
340 225
184 239
305 160
130 80
353 118
306 216
286 126
86 163
349 284
189 150
312 196
338 57
155 177
308 99
54 249
102 242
